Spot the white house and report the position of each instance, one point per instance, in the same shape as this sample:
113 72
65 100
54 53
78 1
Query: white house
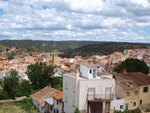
38 98
89 91
54 104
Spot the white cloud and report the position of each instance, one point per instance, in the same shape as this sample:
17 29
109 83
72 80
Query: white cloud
74 19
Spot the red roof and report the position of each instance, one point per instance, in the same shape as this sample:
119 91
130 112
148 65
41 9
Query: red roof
108 57
38 60
137 77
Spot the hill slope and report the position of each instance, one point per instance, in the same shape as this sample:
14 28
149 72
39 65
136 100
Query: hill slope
99 49
63 46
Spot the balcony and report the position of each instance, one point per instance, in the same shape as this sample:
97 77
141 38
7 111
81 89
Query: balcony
108 97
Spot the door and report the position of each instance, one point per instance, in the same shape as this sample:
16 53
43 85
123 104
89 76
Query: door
108 93
127 106
95 107
91 93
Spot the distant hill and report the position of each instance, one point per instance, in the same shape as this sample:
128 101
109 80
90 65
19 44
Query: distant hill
62 46
99 49
47 46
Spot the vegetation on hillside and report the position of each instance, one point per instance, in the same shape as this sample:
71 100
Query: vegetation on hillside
13 88
23 106
63 46
98 49
40 76
132 65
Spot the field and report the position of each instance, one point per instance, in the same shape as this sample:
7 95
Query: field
18 107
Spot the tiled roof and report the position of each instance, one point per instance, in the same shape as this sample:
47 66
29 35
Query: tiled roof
43 94
58 96
126 84
89 65
137 77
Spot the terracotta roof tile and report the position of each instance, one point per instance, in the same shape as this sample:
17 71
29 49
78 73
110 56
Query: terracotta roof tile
44 93
58 96
89 65
137 77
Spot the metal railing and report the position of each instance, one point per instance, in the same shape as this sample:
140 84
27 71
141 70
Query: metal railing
101 97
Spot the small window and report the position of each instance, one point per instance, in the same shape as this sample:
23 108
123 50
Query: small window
134 103
145 89
90 71
121 106
51 108
140 102
127 94
135 92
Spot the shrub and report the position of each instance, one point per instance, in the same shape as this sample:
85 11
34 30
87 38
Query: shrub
76 110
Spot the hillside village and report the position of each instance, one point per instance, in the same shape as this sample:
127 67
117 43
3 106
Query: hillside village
89 83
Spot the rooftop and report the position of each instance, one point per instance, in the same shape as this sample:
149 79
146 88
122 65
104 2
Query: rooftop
126 84
43 94
58 96
89 65
137 77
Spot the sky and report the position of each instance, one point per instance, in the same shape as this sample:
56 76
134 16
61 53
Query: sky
86 20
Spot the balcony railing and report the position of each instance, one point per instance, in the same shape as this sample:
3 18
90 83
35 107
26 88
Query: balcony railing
101 97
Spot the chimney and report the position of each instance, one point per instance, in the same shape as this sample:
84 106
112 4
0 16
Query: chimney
124 70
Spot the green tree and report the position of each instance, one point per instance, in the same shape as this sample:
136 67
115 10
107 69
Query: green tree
25 88
7 49
11 83
132 65
10 57
40 74
3 95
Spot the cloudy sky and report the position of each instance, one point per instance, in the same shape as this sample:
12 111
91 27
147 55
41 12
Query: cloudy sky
92 20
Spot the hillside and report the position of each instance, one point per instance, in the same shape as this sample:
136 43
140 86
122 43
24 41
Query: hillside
62 46
17 52
99 49
47 46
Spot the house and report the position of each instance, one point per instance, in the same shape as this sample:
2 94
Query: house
140 95
88 90
58 103
127 93
54 104
38 98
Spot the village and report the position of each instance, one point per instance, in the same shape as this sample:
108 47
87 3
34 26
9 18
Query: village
89 83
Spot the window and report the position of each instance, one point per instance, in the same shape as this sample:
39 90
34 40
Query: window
134 103
51 108
127 94
121 106
140 102
145 89
90 71
135 92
